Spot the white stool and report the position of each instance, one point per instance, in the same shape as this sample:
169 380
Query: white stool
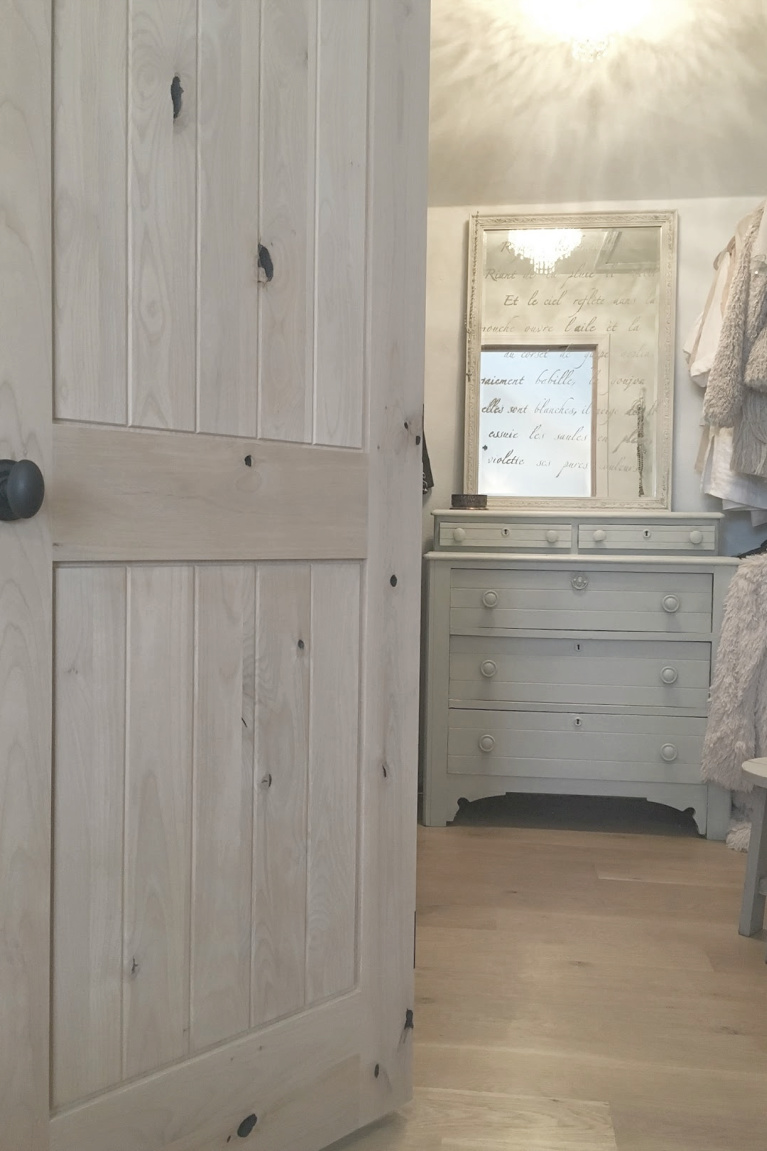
755 887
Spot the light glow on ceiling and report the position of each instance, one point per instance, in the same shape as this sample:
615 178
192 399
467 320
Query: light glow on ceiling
590 26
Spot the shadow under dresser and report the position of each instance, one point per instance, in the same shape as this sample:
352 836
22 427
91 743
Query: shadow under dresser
572 654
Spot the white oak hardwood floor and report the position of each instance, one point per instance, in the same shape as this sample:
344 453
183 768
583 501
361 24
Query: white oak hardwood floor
579 990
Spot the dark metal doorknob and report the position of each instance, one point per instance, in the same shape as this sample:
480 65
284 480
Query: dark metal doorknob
22 489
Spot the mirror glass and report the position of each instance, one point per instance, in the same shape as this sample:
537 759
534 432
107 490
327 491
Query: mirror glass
570 339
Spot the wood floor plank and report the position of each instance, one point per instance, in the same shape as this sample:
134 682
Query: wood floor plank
441 947
584 896
570 983
447 1120
728 1038
644 1128
635 1086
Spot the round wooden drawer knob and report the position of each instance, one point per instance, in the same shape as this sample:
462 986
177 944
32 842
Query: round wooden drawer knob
486 743
459 535
490 599
696 537
552 537
600 535
669 752
669 675
671 603
580 582
488 669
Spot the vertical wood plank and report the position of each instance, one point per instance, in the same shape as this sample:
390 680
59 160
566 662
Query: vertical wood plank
283 621
158 817
333 781
90 179
341 223
396 278
25 574
288 104
89 678
162 214
223 804
229 217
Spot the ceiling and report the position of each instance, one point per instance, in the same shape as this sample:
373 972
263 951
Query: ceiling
679 110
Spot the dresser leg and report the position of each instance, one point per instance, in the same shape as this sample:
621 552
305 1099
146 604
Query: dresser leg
719 806
434 814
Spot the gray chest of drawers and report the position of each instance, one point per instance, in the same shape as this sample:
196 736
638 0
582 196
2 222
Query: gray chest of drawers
572 654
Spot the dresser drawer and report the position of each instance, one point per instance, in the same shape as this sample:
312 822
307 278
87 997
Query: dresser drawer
569 599
545 745
646 538
638 673
540 537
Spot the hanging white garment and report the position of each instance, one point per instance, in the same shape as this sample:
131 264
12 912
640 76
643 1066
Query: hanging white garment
737 492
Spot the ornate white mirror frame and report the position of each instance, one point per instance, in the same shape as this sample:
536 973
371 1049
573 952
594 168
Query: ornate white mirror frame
540 287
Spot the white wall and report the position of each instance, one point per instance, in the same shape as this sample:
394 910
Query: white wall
705 226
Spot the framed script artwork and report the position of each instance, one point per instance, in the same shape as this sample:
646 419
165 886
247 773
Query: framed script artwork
538 419
570 345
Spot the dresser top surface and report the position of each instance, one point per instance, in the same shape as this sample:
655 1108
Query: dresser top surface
515 559
575 514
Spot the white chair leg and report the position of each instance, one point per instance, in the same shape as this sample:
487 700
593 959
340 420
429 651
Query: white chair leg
752 910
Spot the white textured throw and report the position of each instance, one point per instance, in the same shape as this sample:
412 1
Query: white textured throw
737 722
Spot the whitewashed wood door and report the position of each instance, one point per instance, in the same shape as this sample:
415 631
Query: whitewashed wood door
206 902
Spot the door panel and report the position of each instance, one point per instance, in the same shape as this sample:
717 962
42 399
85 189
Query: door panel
164 320
236 620
90 184
229 133
158 788
163 771
89 812
332 840
283 622
301 1079
162 153
340 222
223 803
289 62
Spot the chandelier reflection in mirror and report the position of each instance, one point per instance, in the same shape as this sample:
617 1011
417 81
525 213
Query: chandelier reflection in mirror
545 249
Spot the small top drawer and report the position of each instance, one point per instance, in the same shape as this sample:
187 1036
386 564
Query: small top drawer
570 599
487 536
611 537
